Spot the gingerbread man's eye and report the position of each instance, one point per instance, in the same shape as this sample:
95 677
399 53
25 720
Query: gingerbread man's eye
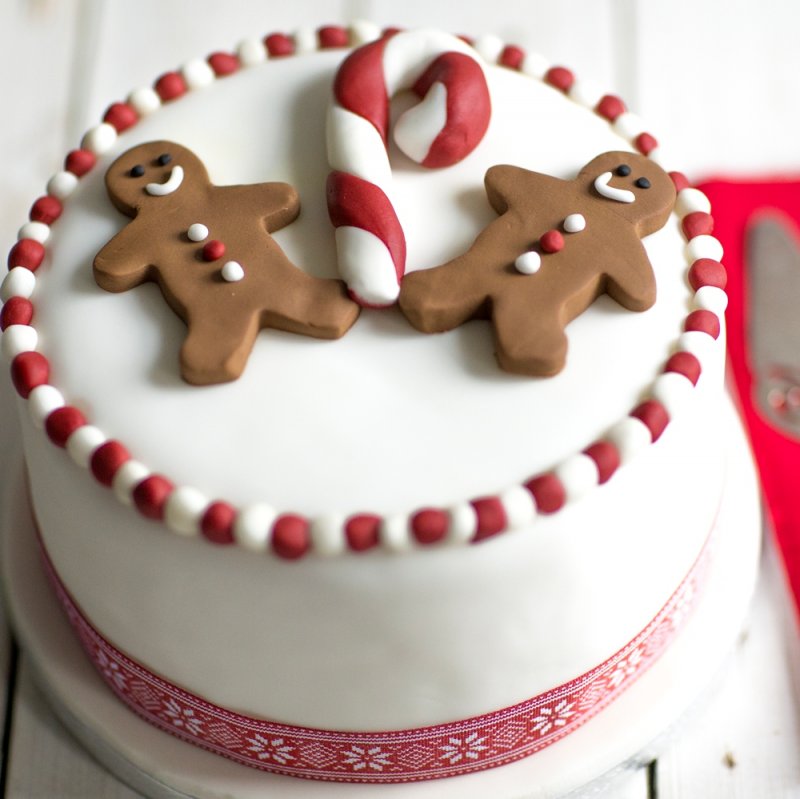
623 170
164 159
642 183
136 171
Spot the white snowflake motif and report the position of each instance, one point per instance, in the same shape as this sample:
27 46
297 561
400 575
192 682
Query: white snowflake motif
360 758
182 717
274 749
111 671
626 667
457 748
550 717
683 606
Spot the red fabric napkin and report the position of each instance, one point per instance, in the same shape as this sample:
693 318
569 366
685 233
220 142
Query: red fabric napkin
735 207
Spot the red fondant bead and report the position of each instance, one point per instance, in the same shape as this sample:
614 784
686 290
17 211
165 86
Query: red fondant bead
606 457
680 181
79 162
29 370
333 36
548 491
703 321
361 531
560 77
707 272
512 57
46 210
610 107
28 253
290 536
491 517
217 523
552 241
170 86
151 495
16 311
429 525
645 143
698 223
212 250
686 364
279 44
106 460
223 64
654 415
62 423
120 116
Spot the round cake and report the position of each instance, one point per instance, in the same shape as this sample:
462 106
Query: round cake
363 461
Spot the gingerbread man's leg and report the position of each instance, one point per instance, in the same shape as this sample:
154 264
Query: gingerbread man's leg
311 306
529 336
216 347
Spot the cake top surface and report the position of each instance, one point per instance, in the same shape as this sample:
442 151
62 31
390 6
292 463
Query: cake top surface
385 420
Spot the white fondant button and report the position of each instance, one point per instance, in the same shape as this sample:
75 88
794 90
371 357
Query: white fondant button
232 271
528 263
575 223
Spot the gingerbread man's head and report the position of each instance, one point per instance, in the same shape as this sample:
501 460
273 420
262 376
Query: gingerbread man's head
152 175
634 186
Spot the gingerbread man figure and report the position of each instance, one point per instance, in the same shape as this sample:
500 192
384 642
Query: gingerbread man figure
210 251
556 246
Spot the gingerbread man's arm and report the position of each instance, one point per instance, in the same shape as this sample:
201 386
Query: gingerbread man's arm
630 280
513 187
277 203
124 262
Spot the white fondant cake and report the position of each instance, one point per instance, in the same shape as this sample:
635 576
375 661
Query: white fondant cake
378 424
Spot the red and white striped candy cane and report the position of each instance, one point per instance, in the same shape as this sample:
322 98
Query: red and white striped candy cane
442 129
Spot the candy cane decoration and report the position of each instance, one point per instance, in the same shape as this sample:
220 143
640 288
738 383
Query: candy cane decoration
441 130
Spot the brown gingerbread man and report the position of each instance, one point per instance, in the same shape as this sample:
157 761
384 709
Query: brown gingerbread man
556 246
210 251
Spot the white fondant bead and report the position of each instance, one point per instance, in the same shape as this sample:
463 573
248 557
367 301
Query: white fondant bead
535 65
197 73
62 184
127 477
42 401
519 505
703 247
17 339
144 101
394 533
19 282
528 263
578 475
699 344
232 272
327 534
656 155
691 200
37 231
630 436
253 525
711 298
673 390
184 509
628 125
99 139
463 523
197 232
83 442
251 52
363 31
575 223
586 92
305 41
489 47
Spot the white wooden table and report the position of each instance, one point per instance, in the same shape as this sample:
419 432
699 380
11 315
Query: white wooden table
719 82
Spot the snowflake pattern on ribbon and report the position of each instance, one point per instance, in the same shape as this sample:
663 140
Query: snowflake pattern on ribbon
424 753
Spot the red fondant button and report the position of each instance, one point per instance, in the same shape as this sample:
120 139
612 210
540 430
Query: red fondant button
552 241
213 250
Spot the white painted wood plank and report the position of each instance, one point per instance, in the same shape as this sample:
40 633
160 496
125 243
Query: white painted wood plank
746 742
46 761
720 82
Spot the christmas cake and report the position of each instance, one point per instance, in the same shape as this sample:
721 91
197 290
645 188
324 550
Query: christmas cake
371 384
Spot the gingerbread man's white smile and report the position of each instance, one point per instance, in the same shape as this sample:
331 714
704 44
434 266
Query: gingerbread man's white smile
601 183
172 183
